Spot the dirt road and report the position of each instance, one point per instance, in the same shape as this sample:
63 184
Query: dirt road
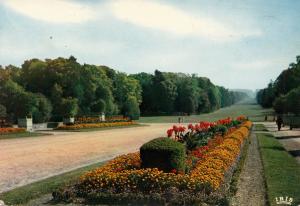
26 160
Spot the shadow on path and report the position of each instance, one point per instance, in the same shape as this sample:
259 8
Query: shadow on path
288 137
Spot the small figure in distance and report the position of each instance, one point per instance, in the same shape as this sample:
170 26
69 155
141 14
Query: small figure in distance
279 122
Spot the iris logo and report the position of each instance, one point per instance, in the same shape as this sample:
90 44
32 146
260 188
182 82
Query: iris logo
2 203
284 200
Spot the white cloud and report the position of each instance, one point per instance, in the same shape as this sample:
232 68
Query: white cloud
53 11
153 15
144 13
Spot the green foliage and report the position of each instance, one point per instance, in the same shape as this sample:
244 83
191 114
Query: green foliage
69 107
194 141
282 171
278 95
131 108
169 93
43 108
100 89
280 104
20 103
2 111
127 93
289 103
221 129
163 153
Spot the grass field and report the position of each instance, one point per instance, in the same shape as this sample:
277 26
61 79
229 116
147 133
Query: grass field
253 111
260 127
22 135
281 170
35 190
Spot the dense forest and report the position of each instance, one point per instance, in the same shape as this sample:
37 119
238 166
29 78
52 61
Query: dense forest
51 89
284 93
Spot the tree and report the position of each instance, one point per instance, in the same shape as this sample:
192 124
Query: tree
293 101
131 108
280 105
214 98
148 98
186 100
43 109
165 93
61 83
278 94
127 90
2 111
69 107
203 102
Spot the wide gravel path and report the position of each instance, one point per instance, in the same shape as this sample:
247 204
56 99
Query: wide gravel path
25 160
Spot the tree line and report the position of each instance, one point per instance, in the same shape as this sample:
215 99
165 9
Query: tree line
51 89
283 94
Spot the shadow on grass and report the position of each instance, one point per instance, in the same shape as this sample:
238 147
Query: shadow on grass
279 148
295 153
267 135
287 137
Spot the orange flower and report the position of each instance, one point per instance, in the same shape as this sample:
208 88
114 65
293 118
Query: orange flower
124 173
11 130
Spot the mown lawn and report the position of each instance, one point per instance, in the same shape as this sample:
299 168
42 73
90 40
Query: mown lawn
281 170
253 111
35 190
260 127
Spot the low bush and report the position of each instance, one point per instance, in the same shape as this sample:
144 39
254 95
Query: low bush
164 154
52 124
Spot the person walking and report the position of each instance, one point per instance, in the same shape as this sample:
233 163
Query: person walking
279 122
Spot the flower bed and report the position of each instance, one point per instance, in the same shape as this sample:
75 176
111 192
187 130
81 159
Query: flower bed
10 130
205 173
95 125
98 119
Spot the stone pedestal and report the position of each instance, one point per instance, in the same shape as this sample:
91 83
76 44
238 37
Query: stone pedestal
102 117
25 123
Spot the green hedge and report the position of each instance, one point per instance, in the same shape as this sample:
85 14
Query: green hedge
163 153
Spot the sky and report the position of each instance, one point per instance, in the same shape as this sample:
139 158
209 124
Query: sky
237 44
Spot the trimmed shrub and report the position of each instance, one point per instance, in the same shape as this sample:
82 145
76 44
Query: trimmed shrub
164 154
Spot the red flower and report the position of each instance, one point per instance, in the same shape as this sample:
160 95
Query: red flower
181 129
197 127
170 132
175 128
191 127
205 125
174 171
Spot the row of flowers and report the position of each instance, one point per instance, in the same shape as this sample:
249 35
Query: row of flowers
84 120
205 126
8 130
214 163
124 173
200 134
95 125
